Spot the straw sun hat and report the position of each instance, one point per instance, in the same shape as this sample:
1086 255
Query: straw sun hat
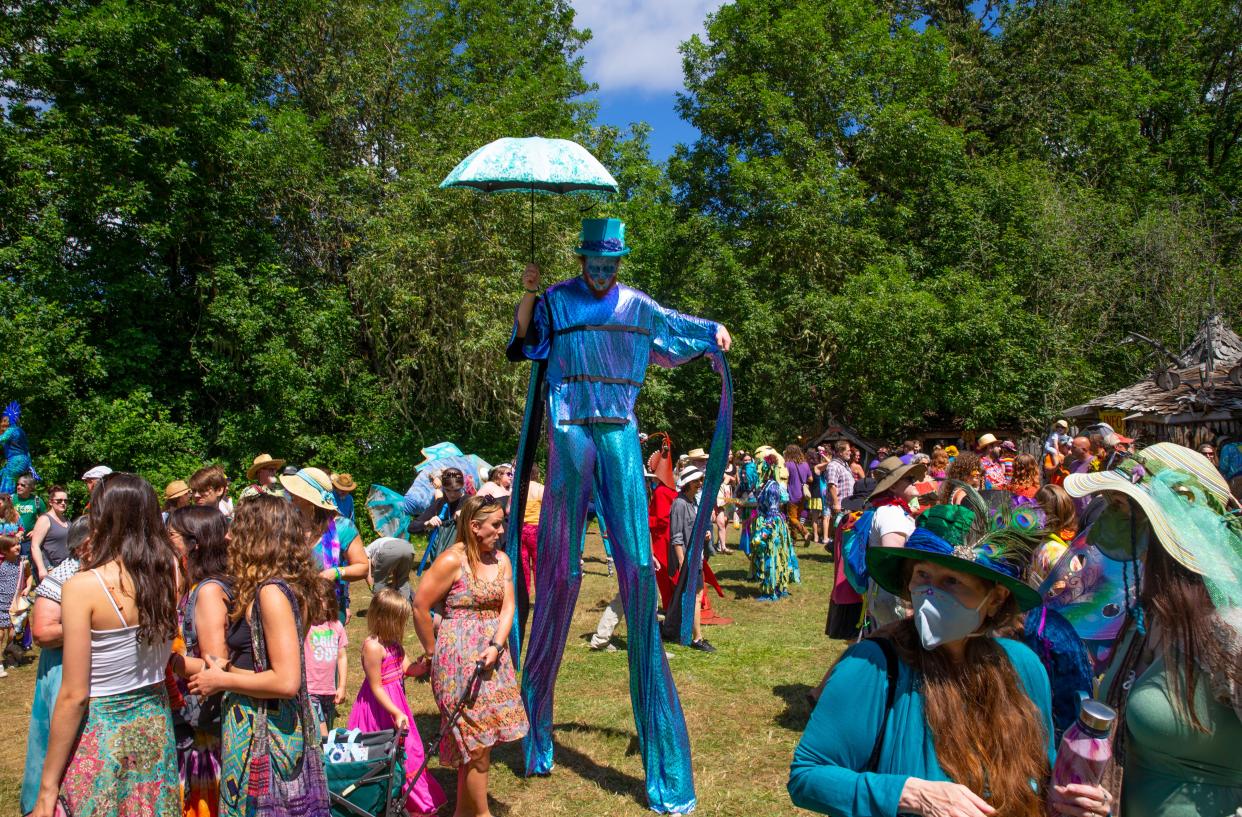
313 485
263 461
1182 494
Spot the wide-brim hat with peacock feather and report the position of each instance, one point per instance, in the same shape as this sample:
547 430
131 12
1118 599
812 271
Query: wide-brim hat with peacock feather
992 546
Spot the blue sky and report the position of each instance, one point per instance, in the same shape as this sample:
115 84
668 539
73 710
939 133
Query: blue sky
633 58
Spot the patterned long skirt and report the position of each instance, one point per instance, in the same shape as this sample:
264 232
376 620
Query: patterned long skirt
125 761
198 760
284 740
47 687
773 562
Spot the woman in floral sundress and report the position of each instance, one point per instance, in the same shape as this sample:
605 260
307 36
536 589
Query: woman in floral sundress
474 580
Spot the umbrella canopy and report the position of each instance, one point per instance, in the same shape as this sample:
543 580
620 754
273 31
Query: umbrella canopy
532 165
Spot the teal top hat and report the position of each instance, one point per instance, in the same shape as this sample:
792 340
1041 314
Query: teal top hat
602 237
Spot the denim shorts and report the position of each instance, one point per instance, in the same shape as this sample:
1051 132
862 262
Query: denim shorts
325 709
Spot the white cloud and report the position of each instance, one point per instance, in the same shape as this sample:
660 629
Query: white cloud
634 42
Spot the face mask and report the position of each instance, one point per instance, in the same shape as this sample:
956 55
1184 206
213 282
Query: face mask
601 272
1111 534
940 618
698 497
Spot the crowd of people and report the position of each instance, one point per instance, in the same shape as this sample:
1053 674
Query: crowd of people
951 569
192 653
188 645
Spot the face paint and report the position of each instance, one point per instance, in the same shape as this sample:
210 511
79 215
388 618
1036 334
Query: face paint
601 273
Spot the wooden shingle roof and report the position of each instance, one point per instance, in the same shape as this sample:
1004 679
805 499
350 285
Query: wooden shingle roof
1145 397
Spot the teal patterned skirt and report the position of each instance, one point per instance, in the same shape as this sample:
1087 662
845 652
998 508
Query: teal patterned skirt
125 761
773 562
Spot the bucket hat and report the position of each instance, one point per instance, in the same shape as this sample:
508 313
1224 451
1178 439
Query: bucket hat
602 237
959 538
890 471
313 485
176 489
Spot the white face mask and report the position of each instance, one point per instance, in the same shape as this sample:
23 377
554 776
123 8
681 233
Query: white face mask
940 618
698 497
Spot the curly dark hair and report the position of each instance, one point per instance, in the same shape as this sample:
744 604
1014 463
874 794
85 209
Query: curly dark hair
268 540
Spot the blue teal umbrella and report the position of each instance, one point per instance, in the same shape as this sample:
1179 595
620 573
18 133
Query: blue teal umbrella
532 165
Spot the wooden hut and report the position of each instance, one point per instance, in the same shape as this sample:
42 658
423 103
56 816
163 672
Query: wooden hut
1197 399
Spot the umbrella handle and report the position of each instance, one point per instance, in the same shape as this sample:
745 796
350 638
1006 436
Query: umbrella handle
532 225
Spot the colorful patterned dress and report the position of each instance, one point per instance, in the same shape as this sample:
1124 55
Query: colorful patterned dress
471 614
773 562
425 796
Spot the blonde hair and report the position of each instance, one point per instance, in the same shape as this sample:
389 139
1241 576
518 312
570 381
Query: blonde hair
475 508
387 616
267 540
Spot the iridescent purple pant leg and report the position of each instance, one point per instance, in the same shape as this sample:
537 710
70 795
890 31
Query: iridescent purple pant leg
608 455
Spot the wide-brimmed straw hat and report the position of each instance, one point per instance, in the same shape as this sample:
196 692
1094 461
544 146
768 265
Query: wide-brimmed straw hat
1174 486
890 471
948 535
176 489
263 461
985 441
313 485
344 483
696 454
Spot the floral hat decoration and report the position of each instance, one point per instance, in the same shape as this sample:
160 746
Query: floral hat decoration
995 545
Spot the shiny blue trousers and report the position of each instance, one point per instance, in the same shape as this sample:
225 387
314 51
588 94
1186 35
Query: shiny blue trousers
608 456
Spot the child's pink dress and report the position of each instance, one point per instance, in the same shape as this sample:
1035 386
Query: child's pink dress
425 796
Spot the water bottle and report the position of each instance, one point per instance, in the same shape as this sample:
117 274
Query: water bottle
1086 747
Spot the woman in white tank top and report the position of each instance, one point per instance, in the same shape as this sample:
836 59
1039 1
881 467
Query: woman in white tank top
119 616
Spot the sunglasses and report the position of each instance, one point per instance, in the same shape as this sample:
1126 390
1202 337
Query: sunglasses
59 501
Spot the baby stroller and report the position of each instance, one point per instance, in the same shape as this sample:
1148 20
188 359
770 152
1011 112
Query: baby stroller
366 779
376 785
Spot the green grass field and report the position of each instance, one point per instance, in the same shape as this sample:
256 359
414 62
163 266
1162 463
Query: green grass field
745 706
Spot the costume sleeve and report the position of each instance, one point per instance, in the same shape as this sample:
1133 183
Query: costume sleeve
839 739
538 339
9 433
419 525
679 338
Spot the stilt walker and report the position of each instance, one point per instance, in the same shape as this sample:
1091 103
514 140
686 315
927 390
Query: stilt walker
591 339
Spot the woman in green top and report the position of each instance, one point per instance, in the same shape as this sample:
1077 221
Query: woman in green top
969 729
1176 676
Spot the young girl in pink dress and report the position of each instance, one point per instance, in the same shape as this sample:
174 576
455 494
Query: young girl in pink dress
381 702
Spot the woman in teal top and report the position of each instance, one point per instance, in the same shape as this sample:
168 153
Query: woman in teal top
1176 677
969 730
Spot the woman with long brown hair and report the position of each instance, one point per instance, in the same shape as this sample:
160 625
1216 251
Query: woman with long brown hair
276 585
1025 481
934 715
119 616
474 581
199 534
1176 676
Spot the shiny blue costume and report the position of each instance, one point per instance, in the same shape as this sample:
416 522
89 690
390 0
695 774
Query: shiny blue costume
593 353
16 450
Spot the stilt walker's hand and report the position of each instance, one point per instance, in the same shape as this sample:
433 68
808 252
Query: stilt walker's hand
530 278
723 339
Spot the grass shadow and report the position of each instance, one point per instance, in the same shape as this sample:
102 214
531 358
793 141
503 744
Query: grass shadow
618 641
607 778
797 708
741 591
815 556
